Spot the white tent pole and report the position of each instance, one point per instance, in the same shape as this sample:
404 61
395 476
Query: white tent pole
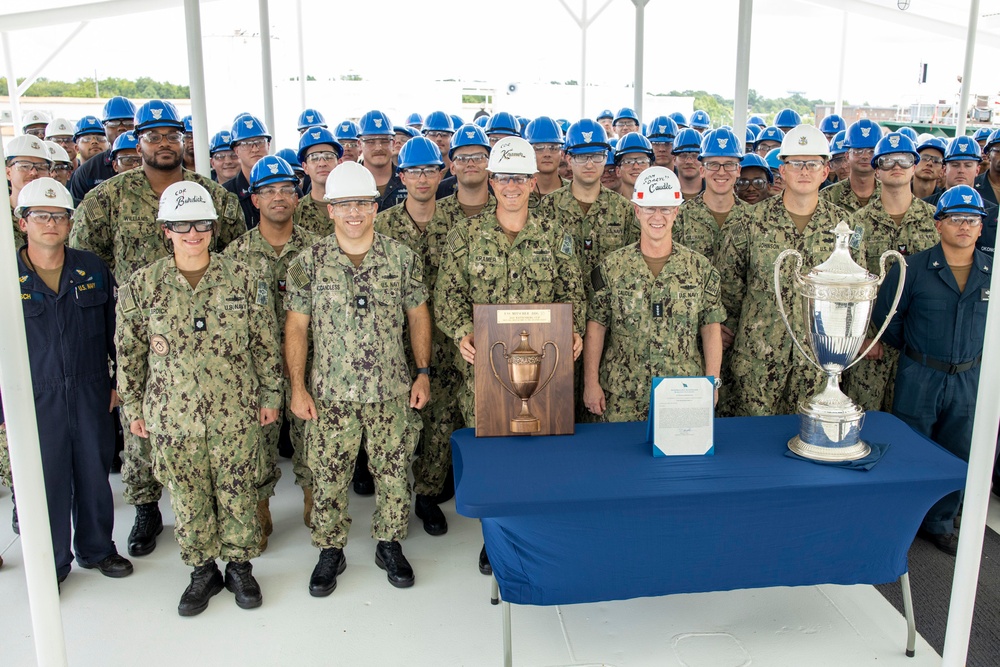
640 55
21 89
838 105
302 55
265 60
584 23
744 31
970 51
25 457
196 73
15 97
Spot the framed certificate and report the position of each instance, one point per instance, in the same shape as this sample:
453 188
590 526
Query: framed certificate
682 416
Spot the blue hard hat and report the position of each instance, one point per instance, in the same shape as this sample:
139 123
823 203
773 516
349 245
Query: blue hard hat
787 118
754 160
418 152
456 120
607 113
721 142
773 160
831 124
347 130
503 123
543 130
751 136
375 124
991 140
437 121
838 145
563 125
247 126
625 113
414 119
910 133
756 120
522 124
271 169
468 135
291 157
981 134
157 113
125 141
314 136
959 199
410 132
863 133
937 143
894 142
586 136
700 120
310 118
88 125
771 133
662 130
118 108
963 148
481 121
220 142
188 123
610 161
688 140
633 142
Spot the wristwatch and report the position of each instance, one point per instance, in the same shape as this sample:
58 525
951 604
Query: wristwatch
718 382
424 371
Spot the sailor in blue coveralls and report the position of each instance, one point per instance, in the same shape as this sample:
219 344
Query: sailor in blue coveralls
69 319
939 327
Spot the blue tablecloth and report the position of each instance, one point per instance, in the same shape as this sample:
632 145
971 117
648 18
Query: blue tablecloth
594 516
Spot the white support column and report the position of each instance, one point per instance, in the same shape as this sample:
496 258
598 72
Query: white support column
265 61
838 105
583 22
25 458
970 51
196 73
640 55
743 33
15 98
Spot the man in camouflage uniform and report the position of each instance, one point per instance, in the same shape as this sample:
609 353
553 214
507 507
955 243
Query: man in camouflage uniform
701 219
470 151
117 222
353 290
510 256
854 192
198 376
598 219
651 303
417 224
319 153
895 220
769 376
269 248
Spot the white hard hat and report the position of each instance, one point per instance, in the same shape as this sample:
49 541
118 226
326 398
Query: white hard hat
27 145
44 191
350 180
35 118
804 140
56 152
186 201
657 186
512 155
60 127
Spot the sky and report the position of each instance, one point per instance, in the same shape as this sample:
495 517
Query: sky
689 44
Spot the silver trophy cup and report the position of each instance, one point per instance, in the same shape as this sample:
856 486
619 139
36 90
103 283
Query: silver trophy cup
837 299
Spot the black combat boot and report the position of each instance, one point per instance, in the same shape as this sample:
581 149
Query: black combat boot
240 581
389 556
432 516
148 524
324 576
206 581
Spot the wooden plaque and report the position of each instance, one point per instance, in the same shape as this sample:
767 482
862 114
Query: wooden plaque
522 340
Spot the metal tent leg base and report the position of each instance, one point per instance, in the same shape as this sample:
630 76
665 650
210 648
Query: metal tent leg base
507 653
911 625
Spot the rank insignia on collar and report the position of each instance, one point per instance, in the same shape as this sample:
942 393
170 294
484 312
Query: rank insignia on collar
23 278
902 248
936 264
199 325
81 272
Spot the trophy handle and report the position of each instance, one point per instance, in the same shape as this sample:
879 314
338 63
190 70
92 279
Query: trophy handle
895 302
554 365
781 304
493 366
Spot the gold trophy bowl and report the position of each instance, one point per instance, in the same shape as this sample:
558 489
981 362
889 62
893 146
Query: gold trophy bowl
524 368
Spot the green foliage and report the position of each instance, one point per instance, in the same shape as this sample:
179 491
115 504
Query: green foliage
144 87
473 99
721 109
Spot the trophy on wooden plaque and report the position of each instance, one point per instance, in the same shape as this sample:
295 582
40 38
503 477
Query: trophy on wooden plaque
524 367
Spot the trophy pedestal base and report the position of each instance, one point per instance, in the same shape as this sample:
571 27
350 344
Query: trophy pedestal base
530 425
859 450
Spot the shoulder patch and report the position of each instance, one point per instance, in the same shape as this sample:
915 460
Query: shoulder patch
597 279
262 293
739 236
712 284
126 299
567 245
856 237
455 242
297 276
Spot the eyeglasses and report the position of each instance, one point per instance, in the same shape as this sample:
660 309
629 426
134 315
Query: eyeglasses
747 183
625 124
92 139
273 191
348 143
807 165
686 157
169 137
61 168
516 179
478 158
547 148
861 152
259 142
359 205
224 155
599 158
115 124
665 211
438 134
322 156
417 172
959 220
185 227
837 160
128 161
36 132
373 141
44 217
932 159
634 161
725 166
62 139
40 168
904 161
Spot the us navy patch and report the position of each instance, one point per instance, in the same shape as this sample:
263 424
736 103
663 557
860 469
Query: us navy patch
567 245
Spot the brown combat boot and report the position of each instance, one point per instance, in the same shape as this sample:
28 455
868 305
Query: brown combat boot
264 516
307 506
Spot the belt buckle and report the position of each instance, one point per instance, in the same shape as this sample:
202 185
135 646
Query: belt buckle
953 369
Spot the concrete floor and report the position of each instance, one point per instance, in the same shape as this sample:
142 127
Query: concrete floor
445 619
